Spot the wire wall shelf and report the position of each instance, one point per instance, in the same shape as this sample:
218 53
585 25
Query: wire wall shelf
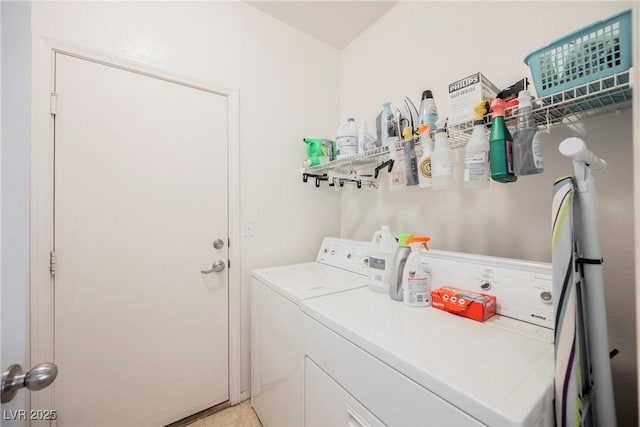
598 97
607 94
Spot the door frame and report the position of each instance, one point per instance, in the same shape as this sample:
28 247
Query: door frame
41 198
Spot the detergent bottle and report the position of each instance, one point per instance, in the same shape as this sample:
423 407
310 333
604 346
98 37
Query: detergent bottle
399 261
500 145
383 249
527 148
424 164
476 152
384 125
347 139
416 278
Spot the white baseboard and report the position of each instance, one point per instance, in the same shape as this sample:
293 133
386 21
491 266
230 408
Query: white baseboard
245 395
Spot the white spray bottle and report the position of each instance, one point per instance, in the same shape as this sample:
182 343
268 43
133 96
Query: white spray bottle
476 153
441 162
416 278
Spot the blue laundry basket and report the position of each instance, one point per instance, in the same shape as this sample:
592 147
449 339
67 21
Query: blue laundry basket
591 53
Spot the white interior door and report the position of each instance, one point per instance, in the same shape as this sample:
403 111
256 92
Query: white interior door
141 336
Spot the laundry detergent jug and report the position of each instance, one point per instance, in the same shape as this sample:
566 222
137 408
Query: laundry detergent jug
383 250
347 139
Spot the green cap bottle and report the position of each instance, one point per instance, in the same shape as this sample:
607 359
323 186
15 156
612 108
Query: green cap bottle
500 145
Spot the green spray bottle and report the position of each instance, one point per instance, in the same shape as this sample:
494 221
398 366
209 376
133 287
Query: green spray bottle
500 145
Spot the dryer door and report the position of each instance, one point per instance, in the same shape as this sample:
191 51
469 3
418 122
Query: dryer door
328 404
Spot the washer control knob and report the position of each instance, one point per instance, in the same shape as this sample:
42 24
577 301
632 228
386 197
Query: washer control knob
349 256
485 286
546 297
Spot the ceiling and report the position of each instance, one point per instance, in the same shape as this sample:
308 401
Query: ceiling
334 22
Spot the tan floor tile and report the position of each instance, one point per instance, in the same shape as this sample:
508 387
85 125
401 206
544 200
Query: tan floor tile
241 415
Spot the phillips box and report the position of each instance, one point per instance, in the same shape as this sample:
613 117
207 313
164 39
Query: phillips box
465 303
466 94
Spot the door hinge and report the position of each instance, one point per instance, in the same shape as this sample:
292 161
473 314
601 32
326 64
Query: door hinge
52 263
228 263
228 242
53 103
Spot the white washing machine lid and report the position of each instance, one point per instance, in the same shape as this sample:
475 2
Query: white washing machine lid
298 282
495 375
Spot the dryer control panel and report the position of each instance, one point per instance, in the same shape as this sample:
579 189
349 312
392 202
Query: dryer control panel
523 289
350 255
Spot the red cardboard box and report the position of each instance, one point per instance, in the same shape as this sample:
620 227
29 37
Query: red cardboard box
465 303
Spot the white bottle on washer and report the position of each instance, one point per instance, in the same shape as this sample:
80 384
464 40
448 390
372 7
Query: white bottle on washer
383 250
416 278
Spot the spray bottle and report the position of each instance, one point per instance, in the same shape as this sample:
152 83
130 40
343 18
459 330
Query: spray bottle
527 148
441 162
416 276
476 152
500 145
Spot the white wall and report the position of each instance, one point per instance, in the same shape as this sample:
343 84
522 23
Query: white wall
289 89
16 63
427 45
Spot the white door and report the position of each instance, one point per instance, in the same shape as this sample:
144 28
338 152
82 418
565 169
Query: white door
141 335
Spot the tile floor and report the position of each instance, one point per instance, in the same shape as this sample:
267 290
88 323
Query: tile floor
241 415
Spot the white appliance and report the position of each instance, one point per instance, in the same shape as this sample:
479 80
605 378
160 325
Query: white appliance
276 324
373 361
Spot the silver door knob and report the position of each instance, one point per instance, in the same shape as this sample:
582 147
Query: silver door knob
13 379
217 267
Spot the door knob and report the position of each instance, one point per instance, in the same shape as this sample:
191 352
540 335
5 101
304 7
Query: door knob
13 379
217 267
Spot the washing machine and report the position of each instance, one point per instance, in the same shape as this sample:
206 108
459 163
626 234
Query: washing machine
373 361
277 359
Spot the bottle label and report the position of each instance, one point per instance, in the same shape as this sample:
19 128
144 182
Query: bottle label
377 268
509 147
425 167
442 169
377 263
418 289
476 164
347 145
536 147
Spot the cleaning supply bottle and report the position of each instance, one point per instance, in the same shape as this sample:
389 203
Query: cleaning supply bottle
476 152
441 162
384 125
399 261
428 113
397 178
500 145
347 139
416 278
527 148
410 161
366 141
424 164
383 249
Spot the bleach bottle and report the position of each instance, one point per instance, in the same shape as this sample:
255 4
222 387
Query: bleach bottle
416 278
383 250
347 139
